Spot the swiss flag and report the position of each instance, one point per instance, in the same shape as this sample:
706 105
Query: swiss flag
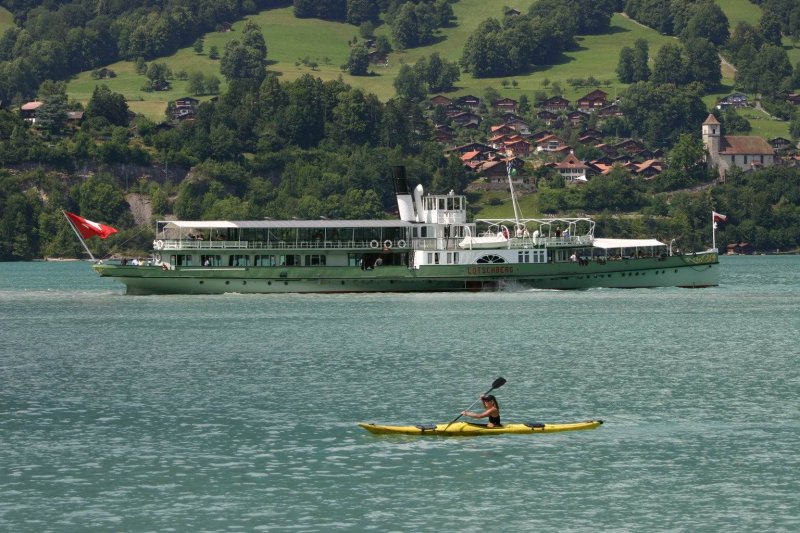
718 217
87 228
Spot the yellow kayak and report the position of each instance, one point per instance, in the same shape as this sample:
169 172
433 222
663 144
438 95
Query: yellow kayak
470 429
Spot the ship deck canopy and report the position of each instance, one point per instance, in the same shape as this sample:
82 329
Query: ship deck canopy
281 224
608 244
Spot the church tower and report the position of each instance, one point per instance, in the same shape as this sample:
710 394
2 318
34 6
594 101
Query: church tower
712 132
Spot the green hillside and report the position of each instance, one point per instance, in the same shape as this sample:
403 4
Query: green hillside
295 43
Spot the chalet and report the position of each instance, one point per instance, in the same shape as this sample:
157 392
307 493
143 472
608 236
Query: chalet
539 135
467 119
516 122
736 100
511 12
503 129
74 117
497 171
550 143
186 101
443 133
611 110
577 118
572 168
28 111
506 105
779 144
593 101
793 99
184 113
648 169
554 104
548 117
378 58
594 132
590 140
497 141
440 100
630 146
471 147
746 152
605 160
510 118
469 102
516 145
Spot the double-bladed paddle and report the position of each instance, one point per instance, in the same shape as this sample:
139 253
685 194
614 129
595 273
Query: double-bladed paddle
496 384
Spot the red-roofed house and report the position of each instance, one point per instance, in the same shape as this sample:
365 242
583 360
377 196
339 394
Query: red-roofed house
572 168
28 111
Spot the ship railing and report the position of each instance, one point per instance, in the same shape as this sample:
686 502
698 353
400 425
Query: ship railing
180 244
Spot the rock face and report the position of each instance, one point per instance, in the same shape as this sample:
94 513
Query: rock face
141 208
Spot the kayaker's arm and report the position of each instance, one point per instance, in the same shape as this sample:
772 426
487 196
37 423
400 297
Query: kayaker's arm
484 414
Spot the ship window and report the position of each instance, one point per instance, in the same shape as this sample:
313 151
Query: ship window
315 260
290 260
524 257
491 258
210 260
184 260
239 260
264 260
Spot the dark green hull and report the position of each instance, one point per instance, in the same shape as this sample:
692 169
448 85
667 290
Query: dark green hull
693 271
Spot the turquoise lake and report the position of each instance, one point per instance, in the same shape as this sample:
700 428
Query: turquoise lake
239 412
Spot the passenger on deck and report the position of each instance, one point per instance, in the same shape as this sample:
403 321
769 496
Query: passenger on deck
492 411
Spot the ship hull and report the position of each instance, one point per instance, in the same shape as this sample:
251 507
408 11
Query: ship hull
693 271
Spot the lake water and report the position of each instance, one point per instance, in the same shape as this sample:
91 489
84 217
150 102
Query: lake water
238 413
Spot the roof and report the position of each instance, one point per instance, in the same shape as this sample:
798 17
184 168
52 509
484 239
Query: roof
626 243
711 119
283 224
30 106
745 144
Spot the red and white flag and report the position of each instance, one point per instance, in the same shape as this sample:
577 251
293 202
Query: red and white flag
87 228
718 217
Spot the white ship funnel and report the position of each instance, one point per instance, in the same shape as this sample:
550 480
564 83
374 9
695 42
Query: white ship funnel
418 202
405 204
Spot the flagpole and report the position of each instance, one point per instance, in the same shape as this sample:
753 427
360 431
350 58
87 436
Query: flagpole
80 238
713 233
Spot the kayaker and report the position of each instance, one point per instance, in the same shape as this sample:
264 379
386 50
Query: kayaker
492 411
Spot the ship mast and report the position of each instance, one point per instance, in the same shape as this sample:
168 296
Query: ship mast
509 168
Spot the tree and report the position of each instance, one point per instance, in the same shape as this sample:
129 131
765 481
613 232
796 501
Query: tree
670 66
641 57
409 85
109 105
358 62
157 74
240 62
659 113
405 27
625 65
709 22
52 114
198 45
687 155
212 84
197 83
704 63
213 52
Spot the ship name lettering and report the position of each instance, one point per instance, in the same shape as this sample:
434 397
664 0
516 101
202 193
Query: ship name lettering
490 269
